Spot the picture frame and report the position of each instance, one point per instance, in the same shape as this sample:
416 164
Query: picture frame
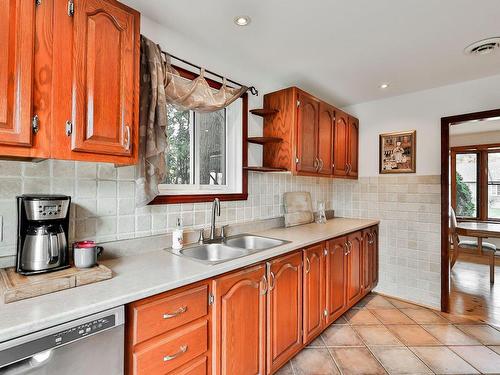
397 152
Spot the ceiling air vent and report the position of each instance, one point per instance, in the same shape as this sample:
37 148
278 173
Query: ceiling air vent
483 47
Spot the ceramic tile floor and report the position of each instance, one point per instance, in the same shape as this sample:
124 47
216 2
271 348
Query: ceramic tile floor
381 335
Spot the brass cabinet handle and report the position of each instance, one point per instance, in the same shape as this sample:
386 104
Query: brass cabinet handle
321 164
178 312
183 349
308 265
127 140
346 251
264 280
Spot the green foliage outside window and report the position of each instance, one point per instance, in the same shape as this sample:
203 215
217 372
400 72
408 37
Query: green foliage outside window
465 202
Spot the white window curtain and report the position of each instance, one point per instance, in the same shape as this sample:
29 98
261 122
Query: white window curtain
161 84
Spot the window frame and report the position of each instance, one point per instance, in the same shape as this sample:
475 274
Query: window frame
482 152
206 196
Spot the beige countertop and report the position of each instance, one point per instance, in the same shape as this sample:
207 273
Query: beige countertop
140 276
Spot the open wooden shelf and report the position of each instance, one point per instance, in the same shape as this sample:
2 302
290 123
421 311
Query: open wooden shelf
264 140
264 169
263 112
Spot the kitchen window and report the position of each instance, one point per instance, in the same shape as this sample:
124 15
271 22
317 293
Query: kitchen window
475 182
205 153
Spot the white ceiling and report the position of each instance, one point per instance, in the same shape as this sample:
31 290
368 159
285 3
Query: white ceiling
472 127
342 50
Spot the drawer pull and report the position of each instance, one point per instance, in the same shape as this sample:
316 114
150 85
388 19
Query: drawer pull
180 311
183 349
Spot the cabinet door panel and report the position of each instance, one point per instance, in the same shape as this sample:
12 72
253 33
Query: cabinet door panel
340 146
240 322
374 254
353 146
307 133
314 291
336 277
16 71
367 259
104 66
325 138
284 309
354 278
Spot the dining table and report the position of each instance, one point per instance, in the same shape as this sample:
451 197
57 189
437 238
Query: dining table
480 230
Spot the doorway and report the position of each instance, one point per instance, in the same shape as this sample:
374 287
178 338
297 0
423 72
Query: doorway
470 192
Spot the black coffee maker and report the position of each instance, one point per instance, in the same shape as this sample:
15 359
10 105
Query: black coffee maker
42 233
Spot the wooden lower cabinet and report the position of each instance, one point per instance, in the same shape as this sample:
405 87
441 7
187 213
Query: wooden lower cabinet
354 267
314 291
239 322
284 310
336 278
254 320
169 333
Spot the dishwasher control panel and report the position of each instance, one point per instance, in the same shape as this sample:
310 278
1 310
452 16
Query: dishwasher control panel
83 330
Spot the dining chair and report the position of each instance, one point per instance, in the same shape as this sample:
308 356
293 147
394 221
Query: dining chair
469 244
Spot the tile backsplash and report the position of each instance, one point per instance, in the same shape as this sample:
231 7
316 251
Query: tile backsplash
409 211
103 200
103 209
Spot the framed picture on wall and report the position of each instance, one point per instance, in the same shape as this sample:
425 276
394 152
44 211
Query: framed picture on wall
397 152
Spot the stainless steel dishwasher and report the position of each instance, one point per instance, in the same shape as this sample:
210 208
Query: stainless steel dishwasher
93 345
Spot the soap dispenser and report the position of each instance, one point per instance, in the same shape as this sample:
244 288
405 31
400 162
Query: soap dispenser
178 236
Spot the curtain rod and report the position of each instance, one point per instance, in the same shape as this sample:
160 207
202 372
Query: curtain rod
252 89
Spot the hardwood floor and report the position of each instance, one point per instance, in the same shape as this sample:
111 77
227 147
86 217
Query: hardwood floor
471 292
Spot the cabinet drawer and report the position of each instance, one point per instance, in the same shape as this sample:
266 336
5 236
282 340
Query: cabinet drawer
162 315
195 367
167 353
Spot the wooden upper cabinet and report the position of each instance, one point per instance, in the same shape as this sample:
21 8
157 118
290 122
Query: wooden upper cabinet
325 138
340 152
17 33
314 134
104 78
314 291
77 73
284 310
353 146
239 318
336 278
307 133
354 267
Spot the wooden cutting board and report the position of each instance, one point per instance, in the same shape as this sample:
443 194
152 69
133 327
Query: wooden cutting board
16 287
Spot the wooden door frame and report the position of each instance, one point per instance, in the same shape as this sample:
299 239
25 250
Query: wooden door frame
446 122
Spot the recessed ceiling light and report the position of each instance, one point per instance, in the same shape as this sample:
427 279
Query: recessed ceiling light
384 85
242 20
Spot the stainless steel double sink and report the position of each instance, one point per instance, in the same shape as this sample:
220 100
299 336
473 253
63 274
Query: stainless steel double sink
229 248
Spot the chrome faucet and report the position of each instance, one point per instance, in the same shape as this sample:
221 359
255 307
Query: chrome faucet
215 211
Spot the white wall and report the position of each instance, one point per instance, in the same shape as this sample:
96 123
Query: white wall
421 111
222 62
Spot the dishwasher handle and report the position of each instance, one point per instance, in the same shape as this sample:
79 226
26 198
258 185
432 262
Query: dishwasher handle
25 366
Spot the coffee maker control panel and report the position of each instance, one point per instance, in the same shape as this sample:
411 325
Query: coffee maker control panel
46 209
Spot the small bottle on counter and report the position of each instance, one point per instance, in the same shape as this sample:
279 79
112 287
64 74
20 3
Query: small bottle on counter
178 235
